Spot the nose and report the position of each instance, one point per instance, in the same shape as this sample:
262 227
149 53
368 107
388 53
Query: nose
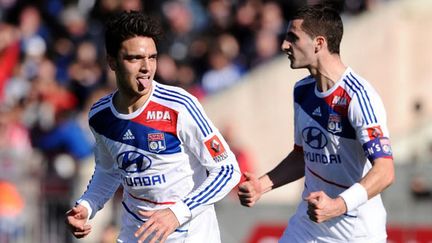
285 45
145 65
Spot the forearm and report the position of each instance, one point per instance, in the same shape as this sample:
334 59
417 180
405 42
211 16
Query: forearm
100 189
374 182
379 177
290 169
217 185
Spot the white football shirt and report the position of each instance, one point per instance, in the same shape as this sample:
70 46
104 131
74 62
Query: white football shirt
341 131
166 154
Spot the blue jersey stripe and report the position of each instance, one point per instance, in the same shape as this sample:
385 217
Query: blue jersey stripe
102 101
109 126
214 187
367 96
187 107
231 172
207 188
360 101
190 102
99 103
210 191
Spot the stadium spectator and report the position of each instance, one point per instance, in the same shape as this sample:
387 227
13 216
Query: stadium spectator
224 71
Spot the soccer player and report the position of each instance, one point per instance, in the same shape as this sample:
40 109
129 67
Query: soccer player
341 139
156 141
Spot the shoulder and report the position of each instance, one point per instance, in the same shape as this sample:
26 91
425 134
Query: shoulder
303 87
102 104
357 86
308 80
174 96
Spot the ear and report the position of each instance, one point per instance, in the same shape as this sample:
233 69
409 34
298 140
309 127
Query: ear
112 62
320 43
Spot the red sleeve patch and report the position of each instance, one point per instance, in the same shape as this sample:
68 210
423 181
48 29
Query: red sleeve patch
374 132
216 149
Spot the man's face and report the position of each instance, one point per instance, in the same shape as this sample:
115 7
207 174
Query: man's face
135 66
298 46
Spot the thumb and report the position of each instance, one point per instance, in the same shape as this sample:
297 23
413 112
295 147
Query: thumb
249 176
73 211
313 198
146 214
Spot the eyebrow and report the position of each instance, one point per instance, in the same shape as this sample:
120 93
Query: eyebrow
291 36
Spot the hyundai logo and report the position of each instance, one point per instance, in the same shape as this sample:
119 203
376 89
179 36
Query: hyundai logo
314 137
132 161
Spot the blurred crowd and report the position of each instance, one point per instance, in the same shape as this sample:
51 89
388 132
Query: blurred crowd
52 68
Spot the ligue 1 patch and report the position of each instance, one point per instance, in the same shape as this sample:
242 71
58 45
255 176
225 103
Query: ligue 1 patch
374 132
216 149
334 124
156 142
386 146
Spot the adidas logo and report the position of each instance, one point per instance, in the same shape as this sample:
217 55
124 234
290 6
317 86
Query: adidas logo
317 111
128 135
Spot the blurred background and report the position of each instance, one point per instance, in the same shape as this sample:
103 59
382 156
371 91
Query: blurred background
227 54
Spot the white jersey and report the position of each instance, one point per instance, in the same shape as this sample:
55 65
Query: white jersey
341 131
166 154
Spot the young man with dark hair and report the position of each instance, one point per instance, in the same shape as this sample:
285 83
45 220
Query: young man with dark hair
156 141
341 141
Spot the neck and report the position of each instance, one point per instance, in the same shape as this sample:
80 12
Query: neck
128 104
328 72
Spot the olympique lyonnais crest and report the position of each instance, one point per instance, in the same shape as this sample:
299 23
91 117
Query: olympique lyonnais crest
216 149
156 142
334 123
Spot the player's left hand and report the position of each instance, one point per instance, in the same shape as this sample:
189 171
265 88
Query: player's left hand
322 208
160 224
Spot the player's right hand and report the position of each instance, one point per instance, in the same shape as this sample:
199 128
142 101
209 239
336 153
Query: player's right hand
76 219
250 190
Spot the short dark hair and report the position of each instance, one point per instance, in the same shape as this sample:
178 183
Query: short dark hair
127 24
322 20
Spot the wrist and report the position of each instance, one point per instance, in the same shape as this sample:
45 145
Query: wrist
181 211
354 197
87 206
264 184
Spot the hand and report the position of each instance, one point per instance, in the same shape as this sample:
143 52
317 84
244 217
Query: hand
322 208
76 219
250 190
160 222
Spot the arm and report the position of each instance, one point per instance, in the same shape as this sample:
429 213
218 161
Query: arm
380 177
213 152
102 186
322 208
290 169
